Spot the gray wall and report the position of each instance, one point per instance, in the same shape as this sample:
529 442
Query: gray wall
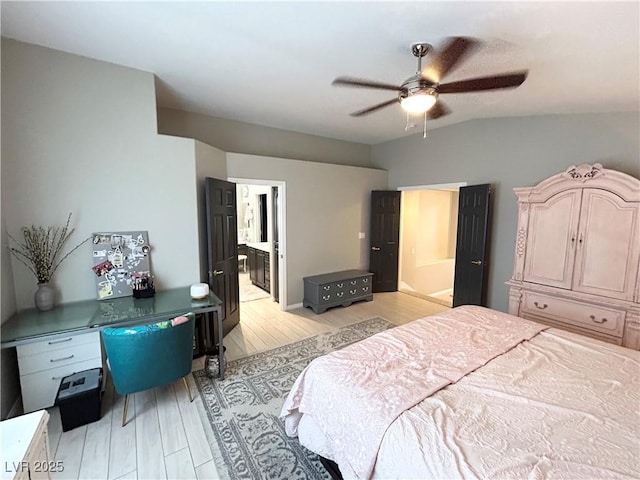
240 137
508 153
210 162
79 136
326 207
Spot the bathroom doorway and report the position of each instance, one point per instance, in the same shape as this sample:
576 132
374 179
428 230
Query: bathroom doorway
428 229
261 235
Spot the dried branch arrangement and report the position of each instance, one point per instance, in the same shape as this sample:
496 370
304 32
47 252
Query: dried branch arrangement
41 249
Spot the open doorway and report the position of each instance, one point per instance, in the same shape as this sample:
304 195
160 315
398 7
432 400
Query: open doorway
260 213
428 228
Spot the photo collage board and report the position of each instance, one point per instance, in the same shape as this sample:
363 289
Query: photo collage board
120 261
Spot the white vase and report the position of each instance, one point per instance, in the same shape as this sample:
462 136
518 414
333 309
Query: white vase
44 297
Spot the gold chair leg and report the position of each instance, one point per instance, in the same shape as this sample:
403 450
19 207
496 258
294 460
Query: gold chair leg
186 385
124 412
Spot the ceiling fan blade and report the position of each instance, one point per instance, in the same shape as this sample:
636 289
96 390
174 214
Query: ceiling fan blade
438 110
357 82
507 80
449 57
369 110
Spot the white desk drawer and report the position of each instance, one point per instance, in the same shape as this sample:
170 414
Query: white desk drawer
39 389
58 358
592 317
57 344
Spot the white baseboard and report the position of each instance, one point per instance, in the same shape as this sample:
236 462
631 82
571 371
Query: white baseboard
291 307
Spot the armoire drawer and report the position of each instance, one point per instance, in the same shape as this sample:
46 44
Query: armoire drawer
580 314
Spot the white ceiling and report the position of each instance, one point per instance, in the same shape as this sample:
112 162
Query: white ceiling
272 63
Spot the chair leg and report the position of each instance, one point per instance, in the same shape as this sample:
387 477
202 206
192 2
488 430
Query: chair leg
124 412
186 385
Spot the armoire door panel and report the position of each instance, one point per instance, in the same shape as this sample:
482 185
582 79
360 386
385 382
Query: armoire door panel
607 255
551 243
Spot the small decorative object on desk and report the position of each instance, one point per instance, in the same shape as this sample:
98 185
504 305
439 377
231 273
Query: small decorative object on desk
142 285
40 251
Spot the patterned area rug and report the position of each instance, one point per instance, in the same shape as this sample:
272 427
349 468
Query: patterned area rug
243 409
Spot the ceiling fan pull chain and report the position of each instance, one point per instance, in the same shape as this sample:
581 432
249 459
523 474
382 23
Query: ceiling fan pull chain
424 132
409 124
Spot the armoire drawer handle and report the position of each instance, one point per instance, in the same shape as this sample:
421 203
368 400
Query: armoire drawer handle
353 292
593 318
365 289
327 287
61 359
326 297
353 282
340 285
365 280
340 294
544 305
61 341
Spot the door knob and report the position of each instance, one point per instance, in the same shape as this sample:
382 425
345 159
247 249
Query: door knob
375 248
215 273
476 262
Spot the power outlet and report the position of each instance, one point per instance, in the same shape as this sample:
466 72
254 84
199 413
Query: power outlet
361 236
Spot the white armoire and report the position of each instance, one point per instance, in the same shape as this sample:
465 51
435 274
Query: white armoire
577 254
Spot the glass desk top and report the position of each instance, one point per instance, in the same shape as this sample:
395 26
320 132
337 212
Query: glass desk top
89 314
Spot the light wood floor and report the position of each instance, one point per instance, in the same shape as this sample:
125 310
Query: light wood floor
165 438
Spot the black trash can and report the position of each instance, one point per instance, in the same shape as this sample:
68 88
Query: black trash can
79 398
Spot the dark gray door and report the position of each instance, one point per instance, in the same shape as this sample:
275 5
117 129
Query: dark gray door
472 246
222 248
385 238
275 291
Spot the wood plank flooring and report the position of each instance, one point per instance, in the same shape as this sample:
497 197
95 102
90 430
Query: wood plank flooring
164 437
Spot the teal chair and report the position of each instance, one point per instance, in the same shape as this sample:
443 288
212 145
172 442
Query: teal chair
149 356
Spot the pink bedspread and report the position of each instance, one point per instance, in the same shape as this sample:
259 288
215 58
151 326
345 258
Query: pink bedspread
354 394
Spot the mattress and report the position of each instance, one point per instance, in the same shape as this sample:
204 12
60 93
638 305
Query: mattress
557 405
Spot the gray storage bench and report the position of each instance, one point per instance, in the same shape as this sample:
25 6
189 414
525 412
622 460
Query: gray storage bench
337 289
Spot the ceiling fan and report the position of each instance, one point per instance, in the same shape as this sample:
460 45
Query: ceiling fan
419 94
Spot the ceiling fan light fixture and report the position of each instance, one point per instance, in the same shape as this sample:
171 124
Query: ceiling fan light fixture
419 102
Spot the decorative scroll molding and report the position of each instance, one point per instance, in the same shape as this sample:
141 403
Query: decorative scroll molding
583 172
521 241
633 322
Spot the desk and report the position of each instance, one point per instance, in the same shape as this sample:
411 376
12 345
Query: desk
76 319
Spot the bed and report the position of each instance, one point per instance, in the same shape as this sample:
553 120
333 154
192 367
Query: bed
472 393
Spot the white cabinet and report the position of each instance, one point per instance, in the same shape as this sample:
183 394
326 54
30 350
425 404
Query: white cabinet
578 252
25 448
607 245
551 240
43 364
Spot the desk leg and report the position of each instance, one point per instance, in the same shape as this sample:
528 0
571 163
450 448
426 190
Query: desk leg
212 348
221 357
